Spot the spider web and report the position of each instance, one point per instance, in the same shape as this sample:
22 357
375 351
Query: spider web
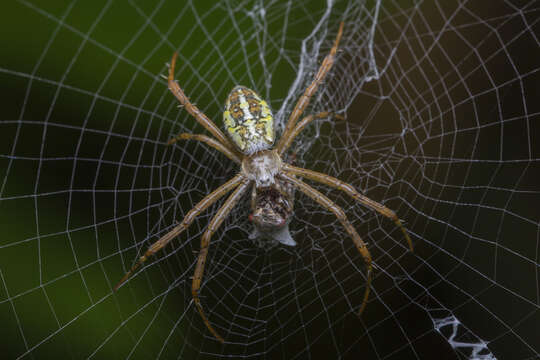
442 126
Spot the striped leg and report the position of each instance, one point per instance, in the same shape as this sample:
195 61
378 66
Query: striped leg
215 223
186 222
340 215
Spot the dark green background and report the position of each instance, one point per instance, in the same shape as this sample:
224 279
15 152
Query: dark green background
133 115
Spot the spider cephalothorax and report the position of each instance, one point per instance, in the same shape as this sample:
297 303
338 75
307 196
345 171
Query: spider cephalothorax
249 123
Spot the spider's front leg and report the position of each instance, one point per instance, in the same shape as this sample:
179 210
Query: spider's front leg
351 191
340 215
186 222
215 223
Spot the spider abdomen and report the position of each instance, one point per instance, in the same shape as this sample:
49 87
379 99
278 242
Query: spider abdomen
248 121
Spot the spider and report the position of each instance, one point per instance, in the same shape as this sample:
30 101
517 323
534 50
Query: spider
249 123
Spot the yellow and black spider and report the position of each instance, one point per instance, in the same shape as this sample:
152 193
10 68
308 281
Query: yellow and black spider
250 125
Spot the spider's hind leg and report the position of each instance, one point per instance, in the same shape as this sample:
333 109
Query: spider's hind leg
288 138
303 102
193 110
208 141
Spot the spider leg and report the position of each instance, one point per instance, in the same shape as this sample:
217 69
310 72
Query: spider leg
311 89
215 223
289 138
340 215
194 110
208 141
186 222
351 191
